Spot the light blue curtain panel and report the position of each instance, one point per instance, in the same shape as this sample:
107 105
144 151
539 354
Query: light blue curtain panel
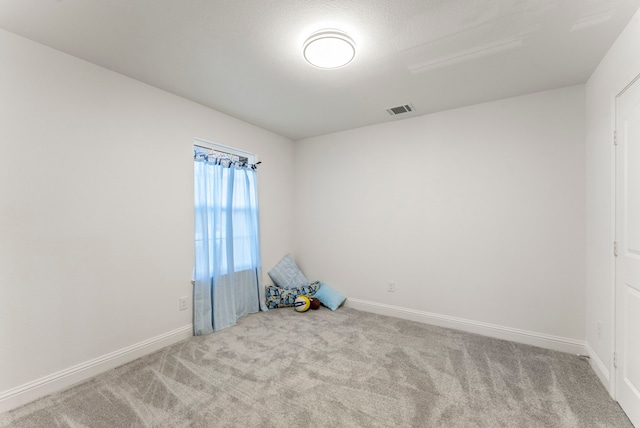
228 269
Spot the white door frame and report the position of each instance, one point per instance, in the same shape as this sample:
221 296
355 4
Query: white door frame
612 369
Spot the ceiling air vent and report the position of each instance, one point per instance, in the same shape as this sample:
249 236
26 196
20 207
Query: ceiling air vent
407 108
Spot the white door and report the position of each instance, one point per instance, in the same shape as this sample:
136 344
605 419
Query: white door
628 250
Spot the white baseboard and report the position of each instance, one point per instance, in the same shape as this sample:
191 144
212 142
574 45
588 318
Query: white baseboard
598 366
542 340
54 382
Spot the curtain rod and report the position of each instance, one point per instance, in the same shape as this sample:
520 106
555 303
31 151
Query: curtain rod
219 160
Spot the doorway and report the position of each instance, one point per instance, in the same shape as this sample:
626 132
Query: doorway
627 251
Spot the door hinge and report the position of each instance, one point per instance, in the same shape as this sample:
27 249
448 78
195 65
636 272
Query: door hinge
615 137
615 248
615 361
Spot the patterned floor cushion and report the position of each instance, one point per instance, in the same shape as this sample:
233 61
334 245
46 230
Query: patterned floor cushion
278 297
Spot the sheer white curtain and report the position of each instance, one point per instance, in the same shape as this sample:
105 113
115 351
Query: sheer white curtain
228 268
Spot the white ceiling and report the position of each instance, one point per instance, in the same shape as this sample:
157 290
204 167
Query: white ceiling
244 58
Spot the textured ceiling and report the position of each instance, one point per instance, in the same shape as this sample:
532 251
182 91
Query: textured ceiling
243 57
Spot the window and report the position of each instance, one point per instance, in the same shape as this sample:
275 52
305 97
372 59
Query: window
227 272
231 228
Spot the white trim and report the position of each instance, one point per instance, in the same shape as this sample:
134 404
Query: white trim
252 157
597 365
630 84
611 385
625 84
542 340
62 379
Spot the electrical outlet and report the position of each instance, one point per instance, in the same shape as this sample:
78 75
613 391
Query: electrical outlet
599 329
391 286
182 303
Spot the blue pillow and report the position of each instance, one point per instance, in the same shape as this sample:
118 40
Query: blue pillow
329 297
286 274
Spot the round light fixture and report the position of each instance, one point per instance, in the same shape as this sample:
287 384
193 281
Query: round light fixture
329 49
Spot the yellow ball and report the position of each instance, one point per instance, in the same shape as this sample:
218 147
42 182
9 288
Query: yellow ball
302 303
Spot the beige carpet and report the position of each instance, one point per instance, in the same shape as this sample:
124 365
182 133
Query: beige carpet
335 369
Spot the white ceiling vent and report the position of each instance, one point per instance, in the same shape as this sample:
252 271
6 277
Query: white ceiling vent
407 108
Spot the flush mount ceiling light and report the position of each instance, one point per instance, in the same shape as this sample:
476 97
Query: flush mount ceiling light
329 49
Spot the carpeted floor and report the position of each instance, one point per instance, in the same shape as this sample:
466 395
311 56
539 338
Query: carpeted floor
335 369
